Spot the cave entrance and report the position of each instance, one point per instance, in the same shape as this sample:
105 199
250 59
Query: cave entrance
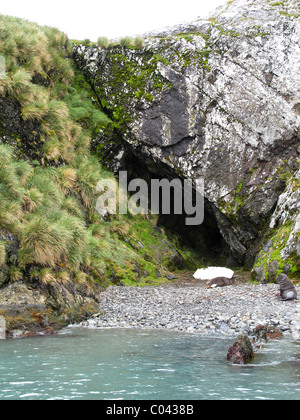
206 239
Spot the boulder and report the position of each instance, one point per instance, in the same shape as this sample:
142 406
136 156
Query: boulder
241 352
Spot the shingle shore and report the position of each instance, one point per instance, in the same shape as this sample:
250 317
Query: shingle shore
193 308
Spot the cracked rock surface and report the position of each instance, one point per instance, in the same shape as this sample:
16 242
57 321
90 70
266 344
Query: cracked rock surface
218 99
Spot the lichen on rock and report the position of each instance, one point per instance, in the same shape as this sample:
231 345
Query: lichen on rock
225 108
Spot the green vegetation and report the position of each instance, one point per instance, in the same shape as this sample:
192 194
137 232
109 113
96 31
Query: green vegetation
139 42
103 42
2 254
126 42
49 204
279 237
131 80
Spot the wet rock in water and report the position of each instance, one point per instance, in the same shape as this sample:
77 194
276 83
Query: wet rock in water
241 352
220 282
266 333
287 288
261 334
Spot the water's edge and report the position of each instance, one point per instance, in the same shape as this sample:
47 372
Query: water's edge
133 364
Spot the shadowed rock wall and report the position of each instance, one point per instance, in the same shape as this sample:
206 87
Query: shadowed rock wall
218 99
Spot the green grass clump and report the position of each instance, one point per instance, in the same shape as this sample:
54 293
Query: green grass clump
57 101
126 42
2 253
139 42
49 204
103 42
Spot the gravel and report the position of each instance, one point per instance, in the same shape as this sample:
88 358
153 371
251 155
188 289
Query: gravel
194 309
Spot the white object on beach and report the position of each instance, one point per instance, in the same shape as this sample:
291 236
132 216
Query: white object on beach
211 273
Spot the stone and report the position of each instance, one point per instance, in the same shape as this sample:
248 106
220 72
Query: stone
33 310
259 274
170 276
177 261
273 269
241 352
266 332
2 328
261 334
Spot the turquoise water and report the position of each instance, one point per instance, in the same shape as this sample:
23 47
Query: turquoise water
142 365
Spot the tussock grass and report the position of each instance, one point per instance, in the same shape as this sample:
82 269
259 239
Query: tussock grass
103 42
2 253
42 243
15 274
33 199
49 205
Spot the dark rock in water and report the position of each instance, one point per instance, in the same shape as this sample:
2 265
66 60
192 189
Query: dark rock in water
267 333
241 352
287 288
261 334
220 282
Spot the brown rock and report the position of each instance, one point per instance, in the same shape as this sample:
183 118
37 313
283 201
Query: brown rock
241 352
261 334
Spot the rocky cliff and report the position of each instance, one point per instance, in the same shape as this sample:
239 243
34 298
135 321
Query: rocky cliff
218 99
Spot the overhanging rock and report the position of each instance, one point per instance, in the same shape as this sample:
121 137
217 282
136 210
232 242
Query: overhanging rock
218 99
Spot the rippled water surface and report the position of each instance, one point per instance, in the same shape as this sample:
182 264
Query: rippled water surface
139 365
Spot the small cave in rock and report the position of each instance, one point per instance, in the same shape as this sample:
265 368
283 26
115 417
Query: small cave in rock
205 239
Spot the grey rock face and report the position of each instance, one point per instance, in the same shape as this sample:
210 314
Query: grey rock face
217 99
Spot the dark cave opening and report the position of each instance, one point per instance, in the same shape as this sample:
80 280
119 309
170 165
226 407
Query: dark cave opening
205 239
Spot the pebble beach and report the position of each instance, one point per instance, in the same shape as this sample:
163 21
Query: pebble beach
193 308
